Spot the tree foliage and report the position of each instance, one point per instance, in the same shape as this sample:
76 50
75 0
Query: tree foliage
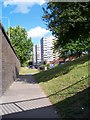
20 42
70 23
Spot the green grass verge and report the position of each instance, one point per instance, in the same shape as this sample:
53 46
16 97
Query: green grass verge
25 70
67 86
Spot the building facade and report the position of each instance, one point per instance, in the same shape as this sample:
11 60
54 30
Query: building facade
47 52
36 54
44 52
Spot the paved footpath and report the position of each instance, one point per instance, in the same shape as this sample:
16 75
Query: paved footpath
25 99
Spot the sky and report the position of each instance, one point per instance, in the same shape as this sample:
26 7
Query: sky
27 14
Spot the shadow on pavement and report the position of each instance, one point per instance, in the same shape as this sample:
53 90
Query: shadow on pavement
75 107
26 78
44 112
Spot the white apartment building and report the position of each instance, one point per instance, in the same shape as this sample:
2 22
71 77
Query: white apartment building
36 54
47 49
44 51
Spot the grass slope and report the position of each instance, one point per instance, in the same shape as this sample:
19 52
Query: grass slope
25 70
67 86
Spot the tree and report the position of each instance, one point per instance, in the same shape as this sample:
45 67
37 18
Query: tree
20 42
70 23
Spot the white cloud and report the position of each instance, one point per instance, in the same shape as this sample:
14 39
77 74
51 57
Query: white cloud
37 32
22 6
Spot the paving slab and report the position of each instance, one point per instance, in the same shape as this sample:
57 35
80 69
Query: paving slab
25 99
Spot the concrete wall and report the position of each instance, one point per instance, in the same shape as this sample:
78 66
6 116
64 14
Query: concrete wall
10 63
0 64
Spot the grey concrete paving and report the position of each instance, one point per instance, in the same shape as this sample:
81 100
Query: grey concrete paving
25 99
